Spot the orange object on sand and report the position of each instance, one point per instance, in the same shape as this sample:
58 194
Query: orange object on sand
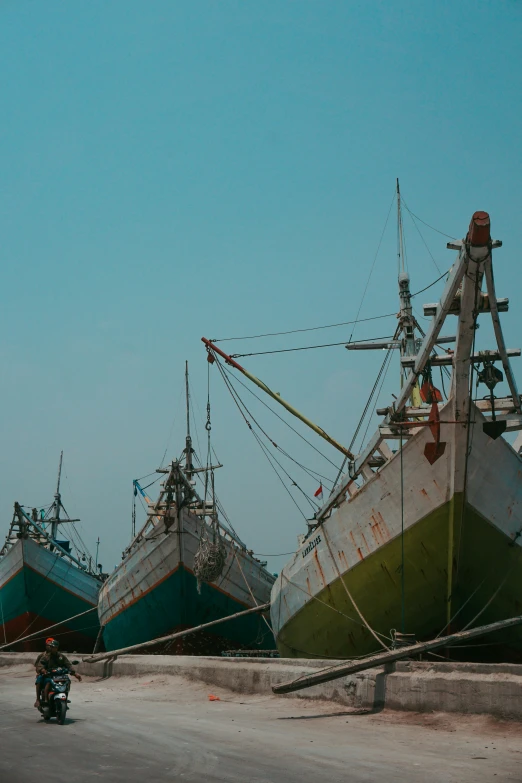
211 697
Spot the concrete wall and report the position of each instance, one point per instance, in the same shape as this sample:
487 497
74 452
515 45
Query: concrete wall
491 689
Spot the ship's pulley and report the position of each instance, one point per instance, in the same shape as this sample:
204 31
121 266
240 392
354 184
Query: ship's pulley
490 376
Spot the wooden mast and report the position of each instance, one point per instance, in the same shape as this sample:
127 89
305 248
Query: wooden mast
407 322
188 438
55 521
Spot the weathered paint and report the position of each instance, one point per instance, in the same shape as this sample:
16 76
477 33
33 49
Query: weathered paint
173 604
154 592
456 551
315 630
39 588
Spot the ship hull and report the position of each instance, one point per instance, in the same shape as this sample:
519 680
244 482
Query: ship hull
38 589
461 554
154 593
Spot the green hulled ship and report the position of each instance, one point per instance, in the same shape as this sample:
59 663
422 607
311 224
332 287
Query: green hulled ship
423 534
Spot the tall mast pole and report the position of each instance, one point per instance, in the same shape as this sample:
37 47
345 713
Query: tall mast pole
400 238
57 502
406 317
188 439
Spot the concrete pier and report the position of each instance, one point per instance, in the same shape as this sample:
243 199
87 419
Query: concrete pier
481 689
159 726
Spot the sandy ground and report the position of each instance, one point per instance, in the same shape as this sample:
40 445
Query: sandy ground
166 728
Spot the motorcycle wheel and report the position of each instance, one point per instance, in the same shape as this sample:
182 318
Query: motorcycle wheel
61 712
44 712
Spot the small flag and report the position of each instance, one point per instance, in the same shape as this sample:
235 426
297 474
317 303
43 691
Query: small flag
319 492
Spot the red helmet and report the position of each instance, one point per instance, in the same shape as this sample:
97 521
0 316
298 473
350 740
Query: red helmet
50 642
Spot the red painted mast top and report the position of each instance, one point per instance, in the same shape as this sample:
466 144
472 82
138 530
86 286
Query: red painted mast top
479 232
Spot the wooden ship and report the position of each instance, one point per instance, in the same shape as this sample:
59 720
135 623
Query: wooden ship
422 535
42 583
185 567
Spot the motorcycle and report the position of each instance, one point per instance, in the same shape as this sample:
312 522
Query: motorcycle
58 695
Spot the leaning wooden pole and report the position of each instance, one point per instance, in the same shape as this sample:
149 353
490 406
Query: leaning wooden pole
344 669
97 643
172 636
46 630
213 349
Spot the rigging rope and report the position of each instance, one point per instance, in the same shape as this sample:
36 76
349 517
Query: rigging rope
236 378
40 612
372 266
309 471
330 606
387 367
468 599
171 430
361 420
427 224
388 356
348 593
211 554
252 594
152 482
308 347
194 422
308 329
497 591
274 444
430 285
265 452
424 241
317 328
219 505
147 476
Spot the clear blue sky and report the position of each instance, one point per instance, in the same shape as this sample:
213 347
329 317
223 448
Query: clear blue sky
173 169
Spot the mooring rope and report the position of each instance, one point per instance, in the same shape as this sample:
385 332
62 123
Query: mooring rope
348 593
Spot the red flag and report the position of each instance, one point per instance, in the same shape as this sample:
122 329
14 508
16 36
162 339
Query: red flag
319 491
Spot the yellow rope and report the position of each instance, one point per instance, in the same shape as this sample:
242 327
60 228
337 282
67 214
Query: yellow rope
252 594
365 622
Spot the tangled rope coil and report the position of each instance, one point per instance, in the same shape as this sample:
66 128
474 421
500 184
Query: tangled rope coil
209 559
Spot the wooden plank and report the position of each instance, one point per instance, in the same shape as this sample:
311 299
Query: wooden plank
345 669
46 630
446 359
504 354
172 636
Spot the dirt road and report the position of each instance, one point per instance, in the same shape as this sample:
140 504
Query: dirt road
166 728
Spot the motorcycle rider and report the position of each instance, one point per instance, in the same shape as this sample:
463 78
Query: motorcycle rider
50 659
